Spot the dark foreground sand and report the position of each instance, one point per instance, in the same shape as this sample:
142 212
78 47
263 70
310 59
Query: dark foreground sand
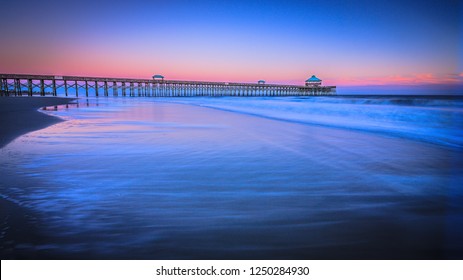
18 116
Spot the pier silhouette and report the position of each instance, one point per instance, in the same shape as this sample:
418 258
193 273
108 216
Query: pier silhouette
46 85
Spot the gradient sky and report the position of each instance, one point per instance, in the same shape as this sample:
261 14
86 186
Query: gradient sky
413 44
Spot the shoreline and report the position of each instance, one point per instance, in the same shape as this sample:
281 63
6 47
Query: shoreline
19 116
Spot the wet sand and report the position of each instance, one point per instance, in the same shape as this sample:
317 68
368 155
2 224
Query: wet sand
18 116
172 181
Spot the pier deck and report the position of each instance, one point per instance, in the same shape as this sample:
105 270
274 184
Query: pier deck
43 85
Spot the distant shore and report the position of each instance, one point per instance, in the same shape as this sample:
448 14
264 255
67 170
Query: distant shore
18 116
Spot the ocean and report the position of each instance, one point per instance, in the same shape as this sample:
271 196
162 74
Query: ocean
334 177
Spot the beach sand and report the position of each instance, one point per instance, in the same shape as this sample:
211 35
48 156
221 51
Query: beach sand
18 116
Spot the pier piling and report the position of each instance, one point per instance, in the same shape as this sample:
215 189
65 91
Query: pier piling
11 84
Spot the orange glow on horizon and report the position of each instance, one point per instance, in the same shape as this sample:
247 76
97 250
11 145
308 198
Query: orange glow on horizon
409 80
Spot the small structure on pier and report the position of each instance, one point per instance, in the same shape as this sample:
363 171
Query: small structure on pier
158 77
313 82
261 82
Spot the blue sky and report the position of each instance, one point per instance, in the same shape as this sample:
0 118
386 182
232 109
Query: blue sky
413 44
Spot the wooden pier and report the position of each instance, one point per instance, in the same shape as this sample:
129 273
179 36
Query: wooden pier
43 85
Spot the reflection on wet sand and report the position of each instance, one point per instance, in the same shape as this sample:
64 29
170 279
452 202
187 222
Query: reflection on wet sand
76 104
146 179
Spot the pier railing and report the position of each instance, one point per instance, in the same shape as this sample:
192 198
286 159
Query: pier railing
43 85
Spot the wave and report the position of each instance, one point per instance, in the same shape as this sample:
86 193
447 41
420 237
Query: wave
404 100
437 120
